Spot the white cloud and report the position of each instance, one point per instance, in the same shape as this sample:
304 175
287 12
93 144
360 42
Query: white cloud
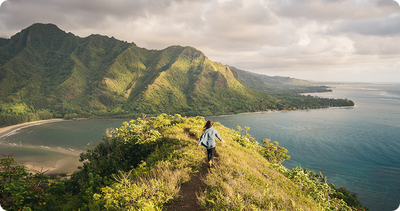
304 38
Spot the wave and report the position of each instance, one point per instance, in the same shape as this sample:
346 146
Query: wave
17 130
389 94
13 132
13 144
369 89
17 146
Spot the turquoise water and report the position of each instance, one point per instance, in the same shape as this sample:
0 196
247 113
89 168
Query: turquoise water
65 135
357 147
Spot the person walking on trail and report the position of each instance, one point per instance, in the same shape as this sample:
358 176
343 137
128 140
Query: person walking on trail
207 139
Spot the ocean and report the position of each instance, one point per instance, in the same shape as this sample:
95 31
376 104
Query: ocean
356 147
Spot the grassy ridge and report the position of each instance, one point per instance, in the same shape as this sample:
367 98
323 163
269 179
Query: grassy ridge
142 164
247 176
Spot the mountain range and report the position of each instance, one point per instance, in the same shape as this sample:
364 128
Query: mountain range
45 68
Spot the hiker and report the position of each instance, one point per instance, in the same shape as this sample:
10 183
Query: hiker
208 140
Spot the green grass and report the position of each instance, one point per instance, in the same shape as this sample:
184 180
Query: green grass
142 164
242 179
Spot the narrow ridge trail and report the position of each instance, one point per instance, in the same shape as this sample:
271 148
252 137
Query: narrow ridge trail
187 195
187 199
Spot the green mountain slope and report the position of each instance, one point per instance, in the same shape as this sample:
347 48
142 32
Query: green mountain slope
277 84
46 71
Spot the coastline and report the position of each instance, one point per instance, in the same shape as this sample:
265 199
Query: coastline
52 159
59 160
275 111
55 160
9 129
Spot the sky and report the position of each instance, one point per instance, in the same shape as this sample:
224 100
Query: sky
319 40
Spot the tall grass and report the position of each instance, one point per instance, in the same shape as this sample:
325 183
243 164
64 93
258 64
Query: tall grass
157 180
246 178
242 179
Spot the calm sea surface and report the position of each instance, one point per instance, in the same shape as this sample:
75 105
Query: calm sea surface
357 147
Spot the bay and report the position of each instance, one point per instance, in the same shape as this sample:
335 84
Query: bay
356 147
65 135
55 146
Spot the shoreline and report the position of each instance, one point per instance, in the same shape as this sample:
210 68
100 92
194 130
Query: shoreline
59 160
4 131
67 164
275 111
55 160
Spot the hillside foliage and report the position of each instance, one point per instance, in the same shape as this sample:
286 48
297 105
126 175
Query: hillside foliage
278 85
142 164
46 70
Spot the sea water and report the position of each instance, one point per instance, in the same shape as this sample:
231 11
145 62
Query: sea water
71 136
356 147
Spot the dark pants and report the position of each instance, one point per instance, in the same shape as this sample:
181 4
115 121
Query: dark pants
210 154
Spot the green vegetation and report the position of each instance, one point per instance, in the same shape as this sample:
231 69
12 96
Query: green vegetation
141 165
46 70
21 190
278 85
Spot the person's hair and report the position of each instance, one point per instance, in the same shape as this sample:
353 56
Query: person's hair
208 124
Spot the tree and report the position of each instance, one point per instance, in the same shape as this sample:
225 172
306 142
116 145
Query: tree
274 152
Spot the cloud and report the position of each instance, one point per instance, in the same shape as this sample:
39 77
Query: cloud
334 10
300 37
386 3
381 47
384 26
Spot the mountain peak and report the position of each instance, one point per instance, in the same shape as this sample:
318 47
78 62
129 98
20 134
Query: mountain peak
43 26
47 68
39 35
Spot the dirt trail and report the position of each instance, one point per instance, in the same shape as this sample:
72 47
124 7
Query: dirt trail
187 195
187 199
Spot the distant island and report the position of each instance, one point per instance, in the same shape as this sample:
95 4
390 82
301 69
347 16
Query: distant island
46 73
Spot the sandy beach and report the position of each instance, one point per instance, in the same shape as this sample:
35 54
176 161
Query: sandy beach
5 130
38 158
